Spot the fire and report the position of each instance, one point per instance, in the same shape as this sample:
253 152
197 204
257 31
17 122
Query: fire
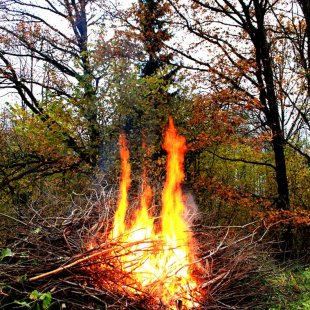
119 218
158 255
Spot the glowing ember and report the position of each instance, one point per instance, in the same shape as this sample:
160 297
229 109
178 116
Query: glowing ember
158 256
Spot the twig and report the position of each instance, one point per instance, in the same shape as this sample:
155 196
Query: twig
212 281
14 219
66 267
98 252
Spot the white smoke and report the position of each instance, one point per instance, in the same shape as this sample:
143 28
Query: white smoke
191 212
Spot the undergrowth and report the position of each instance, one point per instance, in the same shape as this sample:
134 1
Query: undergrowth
290 288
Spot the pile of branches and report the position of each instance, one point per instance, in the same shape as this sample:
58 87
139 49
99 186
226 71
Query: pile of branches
50 255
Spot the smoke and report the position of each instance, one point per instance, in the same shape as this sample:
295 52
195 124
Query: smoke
191 213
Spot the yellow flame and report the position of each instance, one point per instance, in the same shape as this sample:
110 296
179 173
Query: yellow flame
119 217
159 259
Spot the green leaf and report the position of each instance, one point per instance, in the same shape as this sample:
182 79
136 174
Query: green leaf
5 253
46 300
34 295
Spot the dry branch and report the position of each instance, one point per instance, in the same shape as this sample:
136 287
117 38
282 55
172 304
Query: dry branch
225 265
66 267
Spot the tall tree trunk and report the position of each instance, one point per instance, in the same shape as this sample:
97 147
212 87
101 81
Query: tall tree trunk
77 13
268 98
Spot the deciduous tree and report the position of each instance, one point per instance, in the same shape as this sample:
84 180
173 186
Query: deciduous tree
236 48
56 62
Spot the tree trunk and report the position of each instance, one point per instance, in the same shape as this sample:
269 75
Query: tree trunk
80 26
268 98
283 201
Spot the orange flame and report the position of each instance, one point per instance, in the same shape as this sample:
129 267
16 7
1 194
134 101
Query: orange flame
119 217
160 257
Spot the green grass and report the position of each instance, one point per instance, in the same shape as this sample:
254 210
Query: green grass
291 289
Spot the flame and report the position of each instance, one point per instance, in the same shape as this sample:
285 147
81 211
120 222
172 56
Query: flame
159 256
119 217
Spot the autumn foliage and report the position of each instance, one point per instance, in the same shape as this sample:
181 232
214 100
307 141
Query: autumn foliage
235 78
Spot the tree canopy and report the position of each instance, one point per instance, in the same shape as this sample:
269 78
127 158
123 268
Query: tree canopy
234 74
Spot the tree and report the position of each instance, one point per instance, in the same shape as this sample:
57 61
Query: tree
30 153
54 58
155 91
235 43
153 34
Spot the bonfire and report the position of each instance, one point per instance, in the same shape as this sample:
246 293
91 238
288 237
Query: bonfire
112 254
156 254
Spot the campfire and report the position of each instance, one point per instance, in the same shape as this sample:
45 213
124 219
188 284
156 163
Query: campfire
153 255
143 255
